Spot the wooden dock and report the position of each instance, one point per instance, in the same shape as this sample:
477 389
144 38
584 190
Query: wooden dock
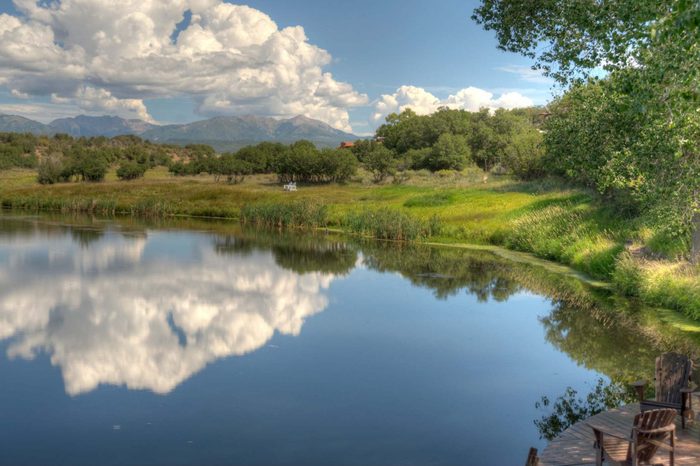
574 446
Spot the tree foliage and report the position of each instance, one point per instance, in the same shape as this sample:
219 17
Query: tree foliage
569 38
452 139
381 163
450 152
634 134
130 170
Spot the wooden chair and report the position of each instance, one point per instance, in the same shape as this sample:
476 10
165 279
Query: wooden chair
651 431
532 458
672 386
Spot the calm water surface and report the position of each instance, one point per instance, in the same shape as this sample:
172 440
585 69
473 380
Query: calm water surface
127 343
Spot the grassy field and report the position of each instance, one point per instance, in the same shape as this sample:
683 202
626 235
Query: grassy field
545 218
473 210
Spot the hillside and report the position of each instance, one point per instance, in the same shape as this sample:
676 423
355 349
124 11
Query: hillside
18 124
223 133
231 131
109 126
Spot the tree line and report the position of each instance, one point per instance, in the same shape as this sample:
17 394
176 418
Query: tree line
446 140
449 139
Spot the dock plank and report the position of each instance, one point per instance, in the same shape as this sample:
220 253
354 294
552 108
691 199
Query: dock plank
574 446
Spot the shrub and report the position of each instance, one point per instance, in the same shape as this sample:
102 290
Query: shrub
363 147
93 170
337 165
130 171
50 170
178 169
627 276
88 165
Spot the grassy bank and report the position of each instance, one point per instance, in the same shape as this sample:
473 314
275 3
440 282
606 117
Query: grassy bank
547 219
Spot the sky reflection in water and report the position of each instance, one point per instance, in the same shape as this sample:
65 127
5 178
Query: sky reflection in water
118 346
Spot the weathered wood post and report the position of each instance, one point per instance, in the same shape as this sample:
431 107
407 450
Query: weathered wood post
695 247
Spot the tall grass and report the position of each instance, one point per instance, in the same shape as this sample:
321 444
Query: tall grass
671 285
152 207
59 204
390 224
148 207
298 214
567 234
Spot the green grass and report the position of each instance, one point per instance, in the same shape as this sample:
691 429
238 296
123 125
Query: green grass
296 214
431 200
665 284
544 218
390 224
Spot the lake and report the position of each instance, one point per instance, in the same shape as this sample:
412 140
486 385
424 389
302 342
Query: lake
191 342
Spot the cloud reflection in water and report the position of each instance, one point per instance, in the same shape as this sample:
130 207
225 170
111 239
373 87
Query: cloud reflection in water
115 312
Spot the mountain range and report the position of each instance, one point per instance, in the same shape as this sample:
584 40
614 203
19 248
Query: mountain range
223 133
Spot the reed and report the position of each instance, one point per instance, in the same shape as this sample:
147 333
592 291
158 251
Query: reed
300 214
390 224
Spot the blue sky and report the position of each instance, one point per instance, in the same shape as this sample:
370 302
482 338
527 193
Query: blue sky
375 47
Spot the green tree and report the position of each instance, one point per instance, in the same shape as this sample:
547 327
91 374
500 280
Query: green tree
650 50
568 38
417 158
450 152
363 147
261 157
524 154
297 163
233 168
405 131
381 163
337 165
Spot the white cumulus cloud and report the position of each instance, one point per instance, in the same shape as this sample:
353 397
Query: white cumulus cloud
107 56
424 103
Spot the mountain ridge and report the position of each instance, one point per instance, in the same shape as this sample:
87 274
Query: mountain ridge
223 132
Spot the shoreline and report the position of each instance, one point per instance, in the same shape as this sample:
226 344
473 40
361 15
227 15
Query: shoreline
557 226
673 318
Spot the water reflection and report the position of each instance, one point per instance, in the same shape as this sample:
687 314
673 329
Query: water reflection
119 304
114 310
300 254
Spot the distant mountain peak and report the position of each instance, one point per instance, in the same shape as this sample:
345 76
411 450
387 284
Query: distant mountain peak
103 125
19 124
222 132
